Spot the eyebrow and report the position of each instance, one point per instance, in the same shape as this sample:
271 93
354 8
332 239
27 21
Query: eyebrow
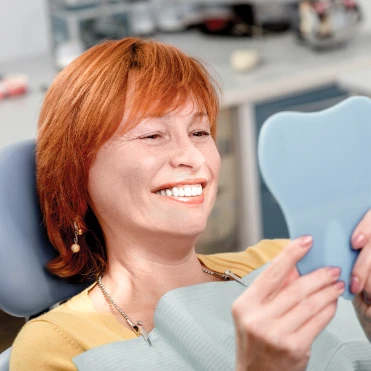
168 116
199 114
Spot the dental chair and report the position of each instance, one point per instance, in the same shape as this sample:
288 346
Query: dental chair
27 288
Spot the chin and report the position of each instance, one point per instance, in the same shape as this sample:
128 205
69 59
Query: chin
192 230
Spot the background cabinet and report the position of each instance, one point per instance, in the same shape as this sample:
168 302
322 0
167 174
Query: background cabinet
220 233
274 224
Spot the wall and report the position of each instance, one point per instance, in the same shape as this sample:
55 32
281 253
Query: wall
23 28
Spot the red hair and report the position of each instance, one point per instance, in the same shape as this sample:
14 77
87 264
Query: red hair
82 109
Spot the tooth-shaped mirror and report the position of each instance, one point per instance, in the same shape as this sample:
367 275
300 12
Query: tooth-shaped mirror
318 168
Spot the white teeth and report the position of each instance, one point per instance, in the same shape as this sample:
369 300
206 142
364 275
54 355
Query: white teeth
194 191
199 190
175 192
185 191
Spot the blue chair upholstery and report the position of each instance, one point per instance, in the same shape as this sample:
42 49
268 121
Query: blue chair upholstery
4 360
26 288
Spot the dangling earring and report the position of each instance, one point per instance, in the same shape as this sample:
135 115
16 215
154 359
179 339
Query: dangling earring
76 247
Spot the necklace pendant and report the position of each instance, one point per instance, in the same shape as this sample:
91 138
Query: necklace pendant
217 274
143 332
236 278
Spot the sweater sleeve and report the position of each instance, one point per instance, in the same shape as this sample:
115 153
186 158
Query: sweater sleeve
43 346
263 252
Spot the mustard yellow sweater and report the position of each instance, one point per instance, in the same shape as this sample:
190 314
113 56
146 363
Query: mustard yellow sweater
49 342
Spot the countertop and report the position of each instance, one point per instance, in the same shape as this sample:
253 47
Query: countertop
358 82
286 68
19 115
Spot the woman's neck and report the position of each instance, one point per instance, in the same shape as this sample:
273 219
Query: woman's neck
137 278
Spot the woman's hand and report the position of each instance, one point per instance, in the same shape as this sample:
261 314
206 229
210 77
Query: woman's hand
361 275
279 316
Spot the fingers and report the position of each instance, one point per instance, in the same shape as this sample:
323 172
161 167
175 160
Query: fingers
303 288
292 276
311 307
272 279
361 271
361 274
311 329
361 234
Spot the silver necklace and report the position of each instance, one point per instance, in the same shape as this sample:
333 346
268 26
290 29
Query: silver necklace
137 327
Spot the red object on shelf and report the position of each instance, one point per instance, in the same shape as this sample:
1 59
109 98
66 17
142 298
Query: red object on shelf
13 85
320 7
350 4
216 24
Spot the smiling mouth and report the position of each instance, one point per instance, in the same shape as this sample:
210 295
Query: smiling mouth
182 191
191 195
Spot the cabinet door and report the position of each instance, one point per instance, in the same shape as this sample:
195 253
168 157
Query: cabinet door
274 224
220 232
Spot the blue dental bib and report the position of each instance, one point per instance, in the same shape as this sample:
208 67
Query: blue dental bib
194 330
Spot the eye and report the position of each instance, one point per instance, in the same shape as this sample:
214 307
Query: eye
152 136
202 133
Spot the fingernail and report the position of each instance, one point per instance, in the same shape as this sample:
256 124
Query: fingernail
334 271
340 285
355 285
359 240
305 241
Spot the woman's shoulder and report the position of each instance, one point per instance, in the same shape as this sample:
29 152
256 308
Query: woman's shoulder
246 261
68 312
54 338
42 345
46 342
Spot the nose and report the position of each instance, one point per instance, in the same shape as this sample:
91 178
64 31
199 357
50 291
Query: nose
185 153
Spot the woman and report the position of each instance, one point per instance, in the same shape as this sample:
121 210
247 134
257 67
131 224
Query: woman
127 172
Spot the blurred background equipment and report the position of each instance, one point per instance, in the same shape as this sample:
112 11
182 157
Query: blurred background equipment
328 23
13 85
244 60
78 24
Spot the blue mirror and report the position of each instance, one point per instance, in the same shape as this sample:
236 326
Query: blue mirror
318 167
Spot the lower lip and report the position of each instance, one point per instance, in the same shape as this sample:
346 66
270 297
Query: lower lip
194 200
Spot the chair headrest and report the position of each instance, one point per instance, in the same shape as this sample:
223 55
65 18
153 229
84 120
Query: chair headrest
26 287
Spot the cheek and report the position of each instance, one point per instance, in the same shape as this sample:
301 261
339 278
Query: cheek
215 163
120 176
99 186
104 179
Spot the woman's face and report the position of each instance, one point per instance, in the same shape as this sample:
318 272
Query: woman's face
160 177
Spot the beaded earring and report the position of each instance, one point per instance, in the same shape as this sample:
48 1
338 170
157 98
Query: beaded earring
78 232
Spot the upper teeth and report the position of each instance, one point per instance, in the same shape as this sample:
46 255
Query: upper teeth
184 191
